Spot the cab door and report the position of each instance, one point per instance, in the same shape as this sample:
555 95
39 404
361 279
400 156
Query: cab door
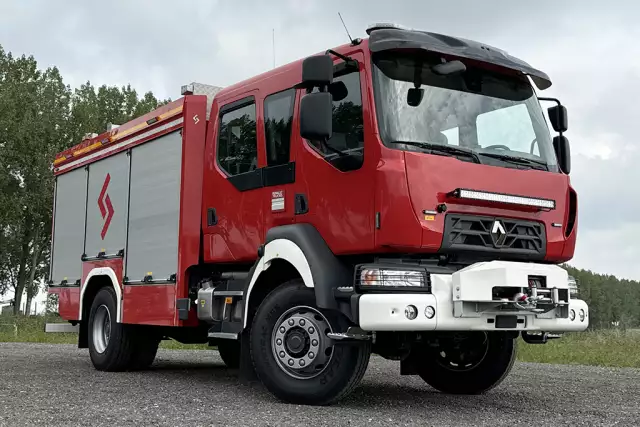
335 191
233 222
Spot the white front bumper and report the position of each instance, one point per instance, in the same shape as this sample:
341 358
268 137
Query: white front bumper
472 287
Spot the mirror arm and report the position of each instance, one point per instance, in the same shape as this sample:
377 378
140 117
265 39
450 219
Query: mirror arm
557 101
350 61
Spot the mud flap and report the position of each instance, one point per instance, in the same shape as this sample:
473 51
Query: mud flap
246 372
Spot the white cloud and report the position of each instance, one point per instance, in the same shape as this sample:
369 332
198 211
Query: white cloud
588 48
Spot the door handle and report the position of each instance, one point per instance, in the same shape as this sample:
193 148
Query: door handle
302 205
212 218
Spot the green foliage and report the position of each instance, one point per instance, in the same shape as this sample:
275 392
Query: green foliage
93 109
612 302
31 329
615 348
40 116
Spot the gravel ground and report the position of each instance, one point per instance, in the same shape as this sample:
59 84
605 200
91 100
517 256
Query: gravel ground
56 385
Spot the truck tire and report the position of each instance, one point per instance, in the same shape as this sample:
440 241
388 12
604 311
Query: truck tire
466 363
111 344
146 348
292 355
230 353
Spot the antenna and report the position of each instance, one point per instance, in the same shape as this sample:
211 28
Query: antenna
273 41
354 42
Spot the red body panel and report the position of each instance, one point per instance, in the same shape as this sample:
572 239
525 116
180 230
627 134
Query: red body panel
193 138
149 304
68 302
431 177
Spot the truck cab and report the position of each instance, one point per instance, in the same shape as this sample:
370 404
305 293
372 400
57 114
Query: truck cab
401 195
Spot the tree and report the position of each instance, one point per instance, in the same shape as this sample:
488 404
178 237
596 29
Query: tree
40 116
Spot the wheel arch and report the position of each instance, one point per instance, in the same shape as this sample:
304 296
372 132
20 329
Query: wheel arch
97 279
299 249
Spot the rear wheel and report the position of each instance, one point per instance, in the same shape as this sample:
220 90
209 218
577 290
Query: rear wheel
146 348
111 344
292 354
230 353
466 363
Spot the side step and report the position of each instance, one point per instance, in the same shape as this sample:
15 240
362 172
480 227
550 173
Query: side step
66 328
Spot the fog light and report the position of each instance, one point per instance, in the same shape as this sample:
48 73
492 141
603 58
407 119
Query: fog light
582 315
411 312
429 312
572 314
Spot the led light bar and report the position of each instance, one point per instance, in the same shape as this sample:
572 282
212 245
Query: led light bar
462 193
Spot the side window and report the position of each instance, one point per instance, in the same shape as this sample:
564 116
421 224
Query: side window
278 115
348 127
237 143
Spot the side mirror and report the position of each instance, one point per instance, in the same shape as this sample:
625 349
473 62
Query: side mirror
563 153
316 116
558 118
317 71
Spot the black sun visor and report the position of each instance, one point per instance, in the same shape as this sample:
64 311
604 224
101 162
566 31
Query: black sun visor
390 38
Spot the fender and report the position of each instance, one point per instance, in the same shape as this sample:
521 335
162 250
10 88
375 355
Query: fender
304 248
104 271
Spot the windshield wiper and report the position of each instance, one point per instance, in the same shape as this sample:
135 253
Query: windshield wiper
432 148
535 164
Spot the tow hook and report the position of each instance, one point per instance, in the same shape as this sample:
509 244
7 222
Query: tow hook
538 337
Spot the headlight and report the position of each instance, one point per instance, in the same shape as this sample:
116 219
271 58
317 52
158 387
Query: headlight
383 277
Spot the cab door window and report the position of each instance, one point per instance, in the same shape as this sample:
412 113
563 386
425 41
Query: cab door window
237 142
278 115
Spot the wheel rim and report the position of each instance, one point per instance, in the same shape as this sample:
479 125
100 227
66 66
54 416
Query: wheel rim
300 343
101 328
463 352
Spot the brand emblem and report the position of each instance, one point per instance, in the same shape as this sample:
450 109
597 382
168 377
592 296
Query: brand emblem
498 233
106 208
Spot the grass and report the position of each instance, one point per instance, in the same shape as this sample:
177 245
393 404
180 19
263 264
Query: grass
613 348
31 329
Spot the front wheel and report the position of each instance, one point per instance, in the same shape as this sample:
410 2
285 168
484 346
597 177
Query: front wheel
466 363
292 354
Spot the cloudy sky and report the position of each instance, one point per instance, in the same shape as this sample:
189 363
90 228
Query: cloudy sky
590 50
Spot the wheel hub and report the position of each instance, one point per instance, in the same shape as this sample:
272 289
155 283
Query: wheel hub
300 344
296 340
101 330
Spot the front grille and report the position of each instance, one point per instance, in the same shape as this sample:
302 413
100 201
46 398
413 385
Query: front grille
494 235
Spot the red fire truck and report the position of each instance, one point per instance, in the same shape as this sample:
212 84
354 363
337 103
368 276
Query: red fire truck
399 195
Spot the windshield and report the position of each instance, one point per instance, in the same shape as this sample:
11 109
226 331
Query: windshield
494 116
